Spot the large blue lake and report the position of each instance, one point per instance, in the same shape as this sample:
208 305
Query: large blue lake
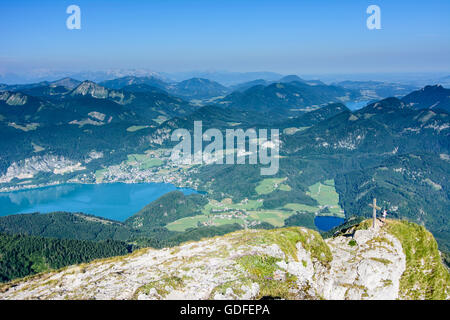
116 201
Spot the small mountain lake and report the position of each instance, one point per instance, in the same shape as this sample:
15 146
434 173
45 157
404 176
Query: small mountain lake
325 223
116 201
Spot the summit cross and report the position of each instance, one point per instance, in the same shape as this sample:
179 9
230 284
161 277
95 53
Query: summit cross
374 211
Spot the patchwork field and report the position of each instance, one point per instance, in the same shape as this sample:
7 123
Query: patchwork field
227 204
186 223
301 207
143 161
274 217
247 211
327 197
267 186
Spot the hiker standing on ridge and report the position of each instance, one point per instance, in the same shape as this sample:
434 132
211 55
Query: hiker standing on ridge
384 216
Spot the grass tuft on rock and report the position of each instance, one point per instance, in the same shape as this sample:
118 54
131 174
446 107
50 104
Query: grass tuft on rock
261 270
287 239
425 276
235 285
162 287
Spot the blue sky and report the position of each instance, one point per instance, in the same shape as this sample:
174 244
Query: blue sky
318 36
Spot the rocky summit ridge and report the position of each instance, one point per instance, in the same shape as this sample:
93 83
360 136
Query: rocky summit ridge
395 260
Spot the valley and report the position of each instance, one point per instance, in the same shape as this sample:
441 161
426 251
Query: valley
332 160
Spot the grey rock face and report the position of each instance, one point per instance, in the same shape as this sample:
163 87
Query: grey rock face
211 269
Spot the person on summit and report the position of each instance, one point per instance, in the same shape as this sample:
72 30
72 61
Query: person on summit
384 216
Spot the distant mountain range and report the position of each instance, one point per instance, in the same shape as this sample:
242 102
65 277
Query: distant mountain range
49 107
247 85
131 80
198 88
283 99
225 78
68 83
190 89
35 76
203 91
286 79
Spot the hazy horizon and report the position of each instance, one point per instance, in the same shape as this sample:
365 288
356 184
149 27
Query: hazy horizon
226 77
